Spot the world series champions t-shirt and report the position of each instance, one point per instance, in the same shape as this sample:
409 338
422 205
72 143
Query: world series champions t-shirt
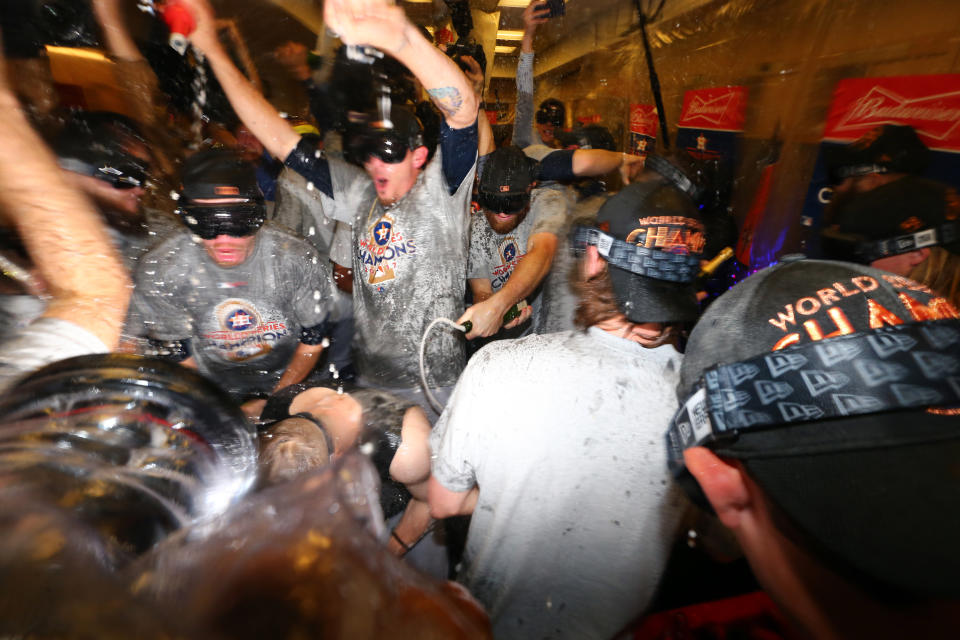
409 267
494 255
243 322
409 259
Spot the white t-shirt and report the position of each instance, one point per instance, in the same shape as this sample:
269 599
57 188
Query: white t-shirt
563 434
44 341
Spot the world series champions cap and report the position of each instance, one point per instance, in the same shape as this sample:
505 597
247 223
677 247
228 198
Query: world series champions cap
889 148
837 386
652 238
902 216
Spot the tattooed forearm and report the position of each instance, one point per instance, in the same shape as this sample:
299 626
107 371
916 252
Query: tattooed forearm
447 99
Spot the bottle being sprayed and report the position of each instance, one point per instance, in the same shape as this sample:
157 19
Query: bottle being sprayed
180 22
512 313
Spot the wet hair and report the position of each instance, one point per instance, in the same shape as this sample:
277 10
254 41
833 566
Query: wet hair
596 300
941 272
291 447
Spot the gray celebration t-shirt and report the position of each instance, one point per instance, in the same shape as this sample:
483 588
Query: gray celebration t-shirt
495 255
409 267
244 322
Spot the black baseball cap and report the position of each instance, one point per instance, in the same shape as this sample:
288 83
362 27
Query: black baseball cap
551 111
837 387
507 178
907 214
652 237
100 144
889 148
236 205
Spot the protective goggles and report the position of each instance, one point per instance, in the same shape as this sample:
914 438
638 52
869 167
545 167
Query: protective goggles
642 261
236 220
888 369
388 147
503 203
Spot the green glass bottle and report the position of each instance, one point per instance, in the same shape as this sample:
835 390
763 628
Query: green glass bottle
512 312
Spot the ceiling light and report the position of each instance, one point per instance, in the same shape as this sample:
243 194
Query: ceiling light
509 35
503 49
513 3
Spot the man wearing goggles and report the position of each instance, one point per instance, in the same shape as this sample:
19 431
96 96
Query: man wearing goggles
244 302
819 420
512 245
409 216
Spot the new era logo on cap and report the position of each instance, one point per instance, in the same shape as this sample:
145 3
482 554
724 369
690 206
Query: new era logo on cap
792 411
911 395
734 399
226 191
886 344
832 353
822 381
769 391
940 337
874 373
935 365
780 363
849 404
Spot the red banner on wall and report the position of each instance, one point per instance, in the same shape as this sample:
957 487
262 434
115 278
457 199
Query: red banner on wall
643 119
929 104
643 128
717 109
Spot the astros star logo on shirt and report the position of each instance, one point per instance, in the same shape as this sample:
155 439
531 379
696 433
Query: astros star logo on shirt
381 249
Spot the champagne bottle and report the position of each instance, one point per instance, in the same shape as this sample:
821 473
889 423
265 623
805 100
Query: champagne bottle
725 254
512 312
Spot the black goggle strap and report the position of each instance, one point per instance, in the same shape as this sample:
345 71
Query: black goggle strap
899 367
673 175
944 234
643 261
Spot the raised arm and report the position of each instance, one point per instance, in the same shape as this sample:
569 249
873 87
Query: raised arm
257 114
379 24
581 163
533 15
62 232
485 143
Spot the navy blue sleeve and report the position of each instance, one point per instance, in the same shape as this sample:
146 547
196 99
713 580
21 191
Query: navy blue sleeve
557 165
313 166
314 335
459 148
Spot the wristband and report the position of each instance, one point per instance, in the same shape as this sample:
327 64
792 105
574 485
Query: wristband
406 547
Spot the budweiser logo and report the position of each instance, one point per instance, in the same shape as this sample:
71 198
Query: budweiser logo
935 116
712 111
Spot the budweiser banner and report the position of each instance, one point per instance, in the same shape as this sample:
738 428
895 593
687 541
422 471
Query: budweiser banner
643 128
711 121
929 104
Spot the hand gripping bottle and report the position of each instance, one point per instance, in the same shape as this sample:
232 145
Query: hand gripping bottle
511 313
180 22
